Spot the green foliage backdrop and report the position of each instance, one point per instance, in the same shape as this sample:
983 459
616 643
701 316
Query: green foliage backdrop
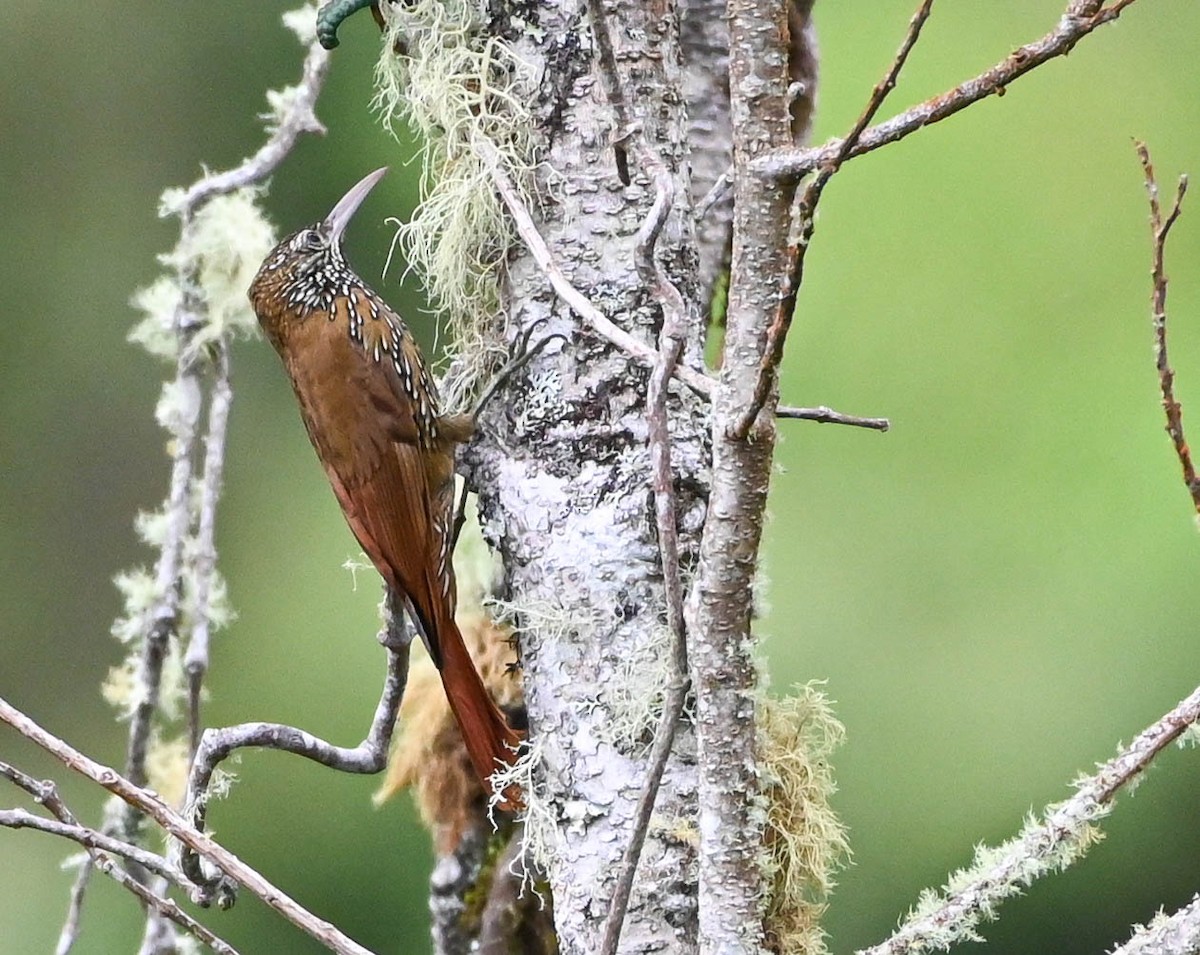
997 591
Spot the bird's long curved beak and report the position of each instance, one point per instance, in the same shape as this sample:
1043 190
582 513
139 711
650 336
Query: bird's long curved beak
343 212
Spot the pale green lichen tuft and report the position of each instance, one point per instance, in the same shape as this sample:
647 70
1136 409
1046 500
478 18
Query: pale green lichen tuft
137 588
223 247
303 22
178 406
539 832
167 764
159 303
805 842
219 251
455 86
636 693
151 527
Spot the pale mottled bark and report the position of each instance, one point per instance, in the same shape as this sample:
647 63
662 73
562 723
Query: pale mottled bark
565 478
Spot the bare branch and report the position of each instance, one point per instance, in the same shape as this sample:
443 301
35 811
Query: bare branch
205 558
671 342
1078 21
69 933
719 608
99 847
806 215
1159 229
369 756
720 189
93 839
599 323
824 415
175 825
1062 835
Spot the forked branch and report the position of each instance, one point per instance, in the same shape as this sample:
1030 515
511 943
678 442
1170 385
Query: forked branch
1160 227
603 326
1079 19
178 828
805 224
369 756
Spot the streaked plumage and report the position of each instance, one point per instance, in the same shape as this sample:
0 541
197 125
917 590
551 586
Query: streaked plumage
371 410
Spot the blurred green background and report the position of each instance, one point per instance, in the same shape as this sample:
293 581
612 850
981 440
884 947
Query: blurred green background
996 592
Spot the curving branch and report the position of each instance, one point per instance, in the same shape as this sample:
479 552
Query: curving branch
296 118
676 315
1062 835
368 757
1079 19
178 828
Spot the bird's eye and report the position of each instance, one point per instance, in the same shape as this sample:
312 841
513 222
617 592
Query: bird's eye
309 241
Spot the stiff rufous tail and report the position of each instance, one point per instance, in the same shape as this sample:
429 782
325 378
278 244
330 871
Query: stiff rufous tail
491 743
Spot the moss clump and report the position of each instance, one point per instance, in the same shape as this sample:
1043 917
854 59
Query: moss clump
805 842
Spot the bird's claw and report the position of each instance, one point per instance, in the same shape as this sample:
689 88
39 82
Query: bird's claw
330 17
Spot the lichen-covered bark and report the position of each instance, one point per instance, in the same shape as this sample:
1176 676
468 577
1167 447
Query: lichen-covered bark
723 671
704 38
564 476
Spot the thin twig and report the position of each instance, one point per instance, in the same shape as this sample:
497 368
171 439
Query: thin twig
719 190
101 849
806 215
824 415
68 935
1040 849
1159 229
671 341
369 756
1080 19
599 323
94 839
174 824
204 563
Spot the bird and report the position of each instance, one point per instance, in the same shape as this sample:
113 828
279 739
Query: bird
370 406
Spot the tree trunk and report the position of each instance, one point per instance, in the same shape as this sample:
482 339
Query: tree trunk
565 478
